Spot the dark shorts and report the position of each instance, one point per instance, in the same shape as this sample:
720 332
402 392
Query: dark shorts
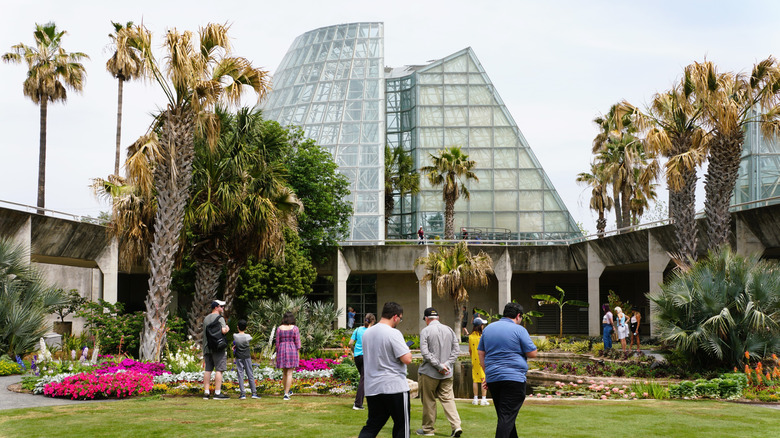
464 324
634 328
216 361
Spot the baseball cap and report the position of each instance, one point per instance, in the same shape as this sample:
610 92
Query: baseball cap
216 303
430 312
479 321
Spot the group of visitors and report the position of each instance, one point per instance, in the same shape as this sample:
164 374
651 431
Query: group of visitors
287 341
622 327
499 356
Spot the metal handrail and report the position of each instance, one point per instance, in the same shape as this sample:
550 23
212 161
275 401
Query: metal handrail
49 212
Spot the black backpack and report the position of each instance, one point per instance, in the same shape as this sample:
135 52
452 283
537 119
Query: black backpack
214 337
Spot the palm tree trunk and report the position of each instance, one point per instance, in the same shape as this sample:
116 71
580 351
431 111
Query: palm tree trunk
449 218
601 224
719 185
42 157
206 284
682 210
458 318
172 177
625 205
231 283
618 209
118 125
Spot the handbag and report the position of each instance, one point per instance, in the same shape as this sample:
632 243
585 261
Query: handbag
614 336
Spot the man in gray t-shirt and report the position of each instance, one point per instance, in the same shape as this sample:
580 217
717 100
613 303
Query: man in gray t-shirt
385 356
214 360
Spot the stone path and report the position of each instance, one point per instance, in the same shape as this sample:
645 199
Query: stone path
15 400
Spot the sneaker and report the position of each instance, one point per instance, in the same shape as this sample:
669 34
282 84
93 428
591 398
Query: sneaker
255 396
457 432
424 433
242 397
475 402
287 396
484 403
206 395
221 396
358 408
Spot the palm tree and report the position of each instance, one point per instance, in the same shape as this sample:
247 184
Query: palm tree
676 133
449 169
401 179
50 71
720 307
600 201
239 207
25 302
730 102
125 64
199 75
452 270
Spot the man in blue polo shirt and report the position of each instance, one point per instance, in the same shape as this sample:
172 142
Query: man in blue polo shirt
503 351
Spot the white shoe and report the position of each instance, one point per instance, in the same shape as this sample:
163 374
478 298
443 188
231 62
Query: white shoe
484 403
475 402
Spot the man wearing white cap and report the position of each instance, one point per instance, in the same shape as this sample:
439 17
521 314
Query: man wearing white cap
214 360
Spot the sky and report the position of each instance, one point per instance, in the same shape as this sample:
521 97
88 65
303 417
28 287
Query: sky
556 65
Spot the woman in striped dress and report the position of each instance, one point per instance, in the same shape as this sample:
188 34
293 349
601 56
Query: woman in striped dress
288 342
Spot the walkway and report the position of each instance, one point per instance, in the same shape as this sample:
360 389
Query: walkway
15 400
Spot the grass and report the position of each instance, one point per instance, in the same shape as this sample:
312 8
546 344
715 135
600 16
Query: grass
333 417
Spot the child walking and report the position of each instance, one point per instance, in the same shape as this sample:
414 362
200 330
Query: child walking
244 360
477 373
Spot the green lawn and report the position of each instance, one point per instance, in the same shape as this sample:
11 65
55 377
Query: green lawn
334 417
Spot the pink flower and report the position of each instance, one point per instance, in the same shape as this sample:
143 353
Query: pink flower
579 381
603 397
644 394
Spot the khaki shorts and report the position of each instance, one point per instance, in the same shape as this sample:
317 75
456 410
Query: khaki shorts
216 361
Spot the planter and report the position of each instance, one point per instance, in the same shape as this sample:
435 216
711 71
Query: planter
63 328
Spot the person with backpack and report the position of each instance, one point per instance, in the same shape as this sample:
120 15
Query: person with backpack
214 349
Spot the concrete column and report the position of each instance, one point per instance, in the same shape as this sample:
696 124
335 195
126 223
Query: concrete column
342 274
595 268
657 261
23 237
503 271
747 242
108 263
424 291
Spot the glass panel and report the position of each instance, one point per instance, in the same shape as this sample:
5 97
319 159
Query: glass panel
480 137
366 202
505 179
355 89
348 49
476 79
299 115
372 89
530 200
347 156
358 69
329 72
530 179
456 65
335 110
455 94
428 78
370 133
505 158
480 95
480 116
342 71
323 91
471 65
556 222
483 157
369 154
530 222
354 111
499 118
431 137
456 136
485 180
550 203
366 228
506 201
525 159
455 116
506 220
339 90
370 110
368 178
430 201
330 134
480 200
505 138
431 95
456 78
484 220
350 133
431 116
393 122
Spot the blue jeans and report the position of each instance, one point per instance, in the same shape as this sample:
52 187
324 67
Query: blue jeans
607 336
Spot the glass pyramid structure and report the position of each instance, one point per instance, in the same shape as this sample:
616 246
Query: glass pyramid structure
332 83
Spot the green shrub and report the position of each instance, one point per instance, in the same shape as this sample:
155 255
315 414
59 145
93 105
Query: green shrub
346 373
652 389
732 384
543 344
29 382
112 328
7 368
707 388
720 308
415 341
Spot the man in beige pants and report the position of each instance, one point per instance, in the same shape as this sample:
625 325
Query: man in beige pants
439 348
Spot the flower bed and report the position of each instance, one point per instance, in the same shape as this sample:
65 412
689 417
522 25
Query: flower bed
89 386
151 368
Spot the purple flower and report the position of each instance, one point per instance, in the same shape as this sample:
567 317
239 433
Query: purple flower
21 363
